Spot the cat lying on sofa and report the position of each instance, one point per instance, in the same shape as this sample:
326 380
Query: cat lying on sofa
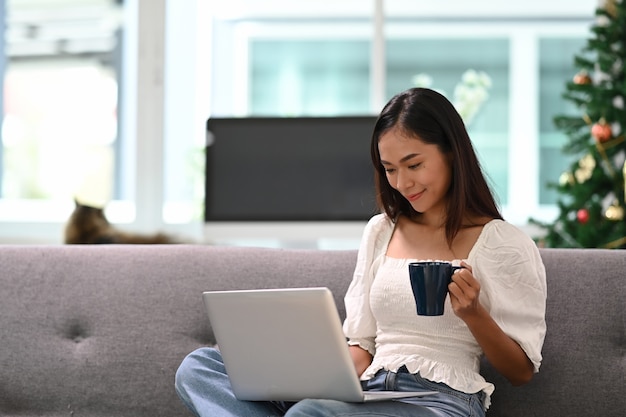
89 225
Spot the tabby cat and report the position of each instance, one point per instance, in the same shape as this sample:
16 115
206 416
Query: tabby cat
89 225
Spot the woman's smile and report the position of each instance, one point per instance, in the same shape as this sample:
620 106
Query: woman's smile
414 197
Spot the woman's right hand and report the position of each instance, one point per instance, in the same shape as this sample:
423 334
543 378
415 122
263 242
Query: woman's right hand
361 358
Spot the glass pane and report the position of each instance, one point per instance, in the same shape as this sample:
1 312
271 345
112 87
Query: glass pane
556 68
309 77
60 126
59 129
442 64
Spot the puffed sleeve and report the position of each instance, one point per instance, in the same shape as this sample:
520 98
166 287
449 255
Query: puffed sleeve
360 325
513 286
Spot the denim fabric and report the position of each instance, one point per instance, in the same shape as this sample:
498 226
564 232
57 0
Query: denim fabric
448 403
203 386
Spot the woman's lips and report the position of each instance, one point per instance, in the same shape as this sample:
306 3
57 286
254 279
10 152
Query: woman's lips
414 197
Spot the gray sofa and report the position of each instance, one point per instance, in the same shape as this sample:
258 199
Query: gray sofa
100 330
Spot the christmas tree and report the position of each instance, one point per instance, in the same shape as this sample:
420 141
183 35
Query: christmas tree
591 193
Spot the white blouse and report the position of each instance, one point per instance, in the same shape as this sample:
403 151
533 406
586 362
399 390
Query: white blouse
381 314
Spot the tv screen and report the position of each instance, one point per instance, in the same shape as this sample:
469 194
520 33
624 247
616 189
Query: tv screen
289 169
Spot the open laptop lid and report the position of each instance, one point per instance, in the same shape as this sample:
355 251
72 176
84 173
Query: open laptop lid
284 344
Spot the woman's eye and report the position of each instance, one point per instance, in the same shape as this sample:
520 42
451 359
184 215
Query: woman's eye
415 165
389 170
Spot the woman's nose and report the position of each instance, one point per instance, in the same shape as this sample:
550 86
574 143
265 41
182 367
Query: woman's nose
403 181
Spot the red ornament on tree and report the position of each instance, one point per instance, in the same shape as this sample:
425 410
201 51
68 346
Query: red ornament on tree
583 216
601 131
582 78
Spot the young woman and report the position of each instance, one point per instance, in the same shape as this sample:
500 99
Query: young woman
435 204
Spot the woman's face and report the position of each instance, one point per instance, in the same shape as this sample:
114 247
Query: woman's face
419 171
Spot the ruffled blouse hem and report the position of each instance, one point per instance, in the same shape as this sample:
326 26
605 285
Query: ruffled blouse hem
460 379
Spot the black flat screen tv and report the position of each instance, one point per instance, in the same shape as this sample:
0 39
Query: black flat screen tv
289 169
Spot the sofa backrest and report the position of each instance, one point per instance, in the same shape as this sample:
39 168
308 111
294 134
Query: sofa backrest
584 367
100 330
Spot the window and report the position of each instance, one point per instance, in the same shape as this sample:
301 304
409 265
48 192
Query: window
60 136
313 67
325 77
135 125
59 131
80 121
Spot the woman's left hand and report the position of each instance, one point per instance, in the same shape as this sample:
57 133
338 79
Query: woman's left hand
464 291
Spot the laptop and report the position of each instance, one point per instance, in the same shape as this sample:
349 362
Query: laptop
286 345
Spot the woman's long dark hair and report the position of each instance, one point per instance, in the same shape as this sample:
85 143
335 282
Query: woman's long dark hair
425 114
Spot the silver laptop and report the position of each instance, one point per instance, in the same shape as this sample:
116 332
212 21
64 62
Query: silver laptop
286 345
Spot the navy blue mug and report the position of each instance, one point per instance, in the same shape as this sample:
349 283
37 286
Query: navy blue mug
429 281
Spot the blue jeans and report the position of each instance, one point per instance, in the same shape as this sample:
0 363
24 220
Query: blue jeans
203 386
